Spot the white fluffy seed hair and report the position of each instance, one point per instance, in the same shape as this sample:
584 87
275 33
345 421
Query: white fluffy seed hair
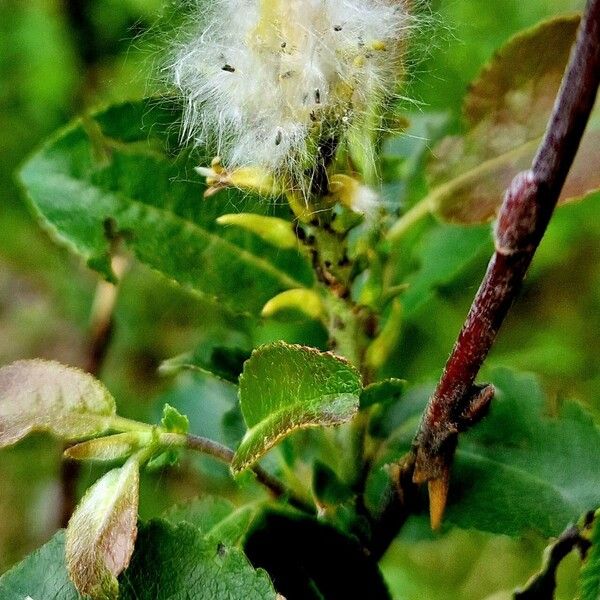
264 80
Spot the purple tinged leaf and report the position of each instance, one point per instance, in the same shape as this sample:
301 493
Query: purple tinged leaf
102 532
37 395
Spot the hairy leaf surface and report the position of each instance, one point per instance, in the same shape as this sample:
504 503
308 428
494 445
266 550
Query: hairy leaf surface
102 532
37 395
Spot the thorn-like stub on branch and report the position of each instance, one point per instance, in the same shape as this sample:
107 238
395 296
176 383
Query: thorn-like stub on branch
438 498
478 406
436 441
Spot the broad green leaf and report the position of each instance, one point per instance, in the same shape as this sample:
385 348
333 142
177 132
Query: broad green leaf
506 112
520 469
312 560
110 175
284 388
102 531
40 576
443 254
178 563
589 580
233 528
37 395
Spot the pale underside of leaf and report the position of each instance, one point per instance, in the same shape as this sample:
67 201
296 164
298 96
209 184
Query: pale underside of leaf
38 395
321 412
102 532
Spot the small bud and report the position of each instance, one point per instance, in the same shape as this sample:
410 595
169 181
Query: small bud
274 231
301 300
250 179
112 448
349 192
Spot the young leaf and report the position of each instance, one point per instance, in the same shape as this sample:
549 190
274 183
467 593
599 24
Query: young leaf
37 395
42 575
506 111
111 448
110 176
173 421
102 532
589 580
285 388
178 562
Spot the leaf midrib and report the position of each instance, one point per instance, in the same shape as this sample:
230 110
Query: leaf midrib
245 255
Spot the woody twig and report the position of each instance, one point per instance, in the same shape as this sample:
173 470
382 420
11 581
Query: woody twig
529 202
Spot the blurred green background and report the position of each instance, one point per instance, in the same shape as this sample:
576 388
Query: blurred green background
61 58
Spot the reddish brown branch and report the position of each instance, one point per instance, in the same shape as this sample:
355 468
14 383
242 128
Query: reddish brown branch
528 206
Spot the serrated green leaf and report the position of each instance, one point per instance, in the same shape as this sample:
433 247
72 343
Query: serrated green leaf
37 395
232 529
519 469
173 421
111 175
42 575
216 518
506 110
589 579
177 563
102 531
383 392
284 388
